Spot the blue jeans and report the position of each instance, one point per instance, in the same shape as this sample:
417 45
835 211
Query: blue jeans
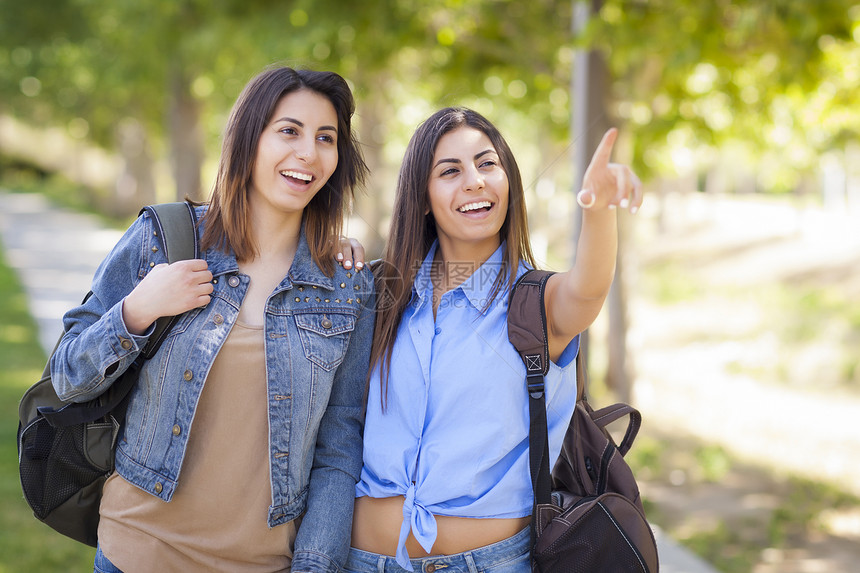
511 555
103 565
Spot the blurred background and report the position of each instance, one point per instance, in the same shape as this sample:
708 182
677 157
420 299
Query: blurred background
734 322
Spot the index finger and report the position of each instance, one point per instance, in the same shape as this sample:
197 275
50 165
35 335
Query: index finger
604 149
192 264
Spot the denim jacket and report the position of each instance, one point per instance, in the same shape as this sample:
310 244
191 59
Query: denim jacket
318 332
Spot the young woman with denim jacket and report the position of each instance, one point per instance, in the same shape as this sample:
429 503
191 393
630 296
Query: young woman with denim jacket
445 484
242 443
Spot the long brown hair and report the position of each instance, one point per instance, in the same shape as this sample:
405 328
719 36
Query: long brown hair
227 222
413 229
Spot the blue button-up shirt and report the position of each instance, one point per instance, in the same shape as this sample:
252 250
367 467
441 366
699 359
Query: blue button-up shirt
453 439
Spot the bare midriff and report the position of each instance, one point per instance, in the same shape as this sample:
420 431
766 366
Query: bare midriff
376 528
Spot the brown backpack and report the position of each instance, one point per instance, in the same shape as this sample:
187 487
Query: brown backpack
587 514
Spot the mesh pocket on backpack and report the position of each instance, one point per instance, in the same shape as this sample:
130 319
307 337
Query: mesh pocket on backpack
53 465
584 537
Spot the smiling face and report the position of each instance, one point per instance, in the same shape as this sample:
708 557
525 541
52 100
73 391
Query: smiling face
468 194
296 152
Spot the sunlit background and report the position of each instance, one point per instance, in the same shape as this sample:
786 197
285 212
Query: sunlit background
734 324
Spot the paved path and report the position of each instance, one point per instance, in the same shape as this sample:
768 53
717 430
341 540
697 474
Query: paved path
56 252
705 366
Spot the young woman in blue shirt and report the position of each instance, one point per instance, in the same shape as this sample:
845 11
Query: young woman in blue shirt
249 417
445 484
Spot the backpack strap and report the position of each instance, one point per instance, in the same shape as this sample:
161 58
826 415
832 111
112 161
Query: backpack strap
176 224
527 332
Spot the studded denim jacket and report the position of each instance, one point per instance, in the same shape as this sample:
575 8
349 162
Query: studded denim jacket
318 331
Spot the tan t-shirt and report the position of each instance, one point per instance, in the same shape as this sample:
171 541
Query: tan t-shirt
217 519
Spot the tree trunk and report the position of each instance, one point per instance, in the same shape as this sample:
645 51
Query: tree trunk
374 204
135 186
186 139
590 121
618 373
589 118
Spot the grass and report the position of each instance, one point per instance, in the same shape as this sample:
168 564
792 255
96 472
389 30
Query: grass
738 541
25 543
816 325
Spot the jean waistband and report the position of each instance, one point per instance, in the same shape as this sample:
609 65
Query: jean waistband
473 560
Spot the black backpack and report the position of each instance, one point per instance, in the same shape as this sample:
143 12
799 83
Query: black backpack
65 449
587 515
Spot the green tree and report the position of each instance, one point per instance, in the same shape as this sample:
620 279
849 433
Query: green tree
767 76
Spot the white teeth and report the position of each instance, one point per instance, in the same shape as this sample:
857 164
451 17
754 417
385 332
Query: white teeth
474 206
296 175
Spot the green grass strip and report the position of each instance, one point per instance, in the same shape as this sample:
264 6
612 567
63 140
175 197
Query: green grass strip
25 543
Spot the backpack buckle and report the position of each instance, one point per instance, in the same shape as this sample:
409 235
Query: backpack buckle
535 385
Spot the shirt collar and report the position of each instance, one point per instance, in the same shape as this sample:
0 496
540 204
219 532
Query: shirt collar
476 288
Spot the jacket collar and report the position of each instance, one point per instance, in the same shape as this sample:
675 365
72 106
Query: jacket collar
303 271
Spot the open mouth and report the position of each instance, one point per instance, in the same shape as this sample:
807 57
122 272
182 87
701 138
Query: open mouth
302 178
476 206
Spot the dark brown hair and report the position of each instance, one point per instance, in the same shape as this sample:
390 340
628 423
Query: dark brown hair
413 230
227 222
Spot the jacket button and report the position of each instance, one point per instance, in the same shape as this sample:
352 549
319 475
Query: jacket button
177 430
326 323
233 281
188 375
158 487
125 343
217 319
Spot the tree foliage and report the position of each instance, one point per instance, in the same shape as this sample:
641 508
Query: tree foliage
770 77
774 78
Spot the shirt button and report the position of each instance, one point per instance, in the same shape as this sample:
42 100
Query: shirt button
158 487
438 330
217 319
177 430
233 281
188 375
125 343
326 323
